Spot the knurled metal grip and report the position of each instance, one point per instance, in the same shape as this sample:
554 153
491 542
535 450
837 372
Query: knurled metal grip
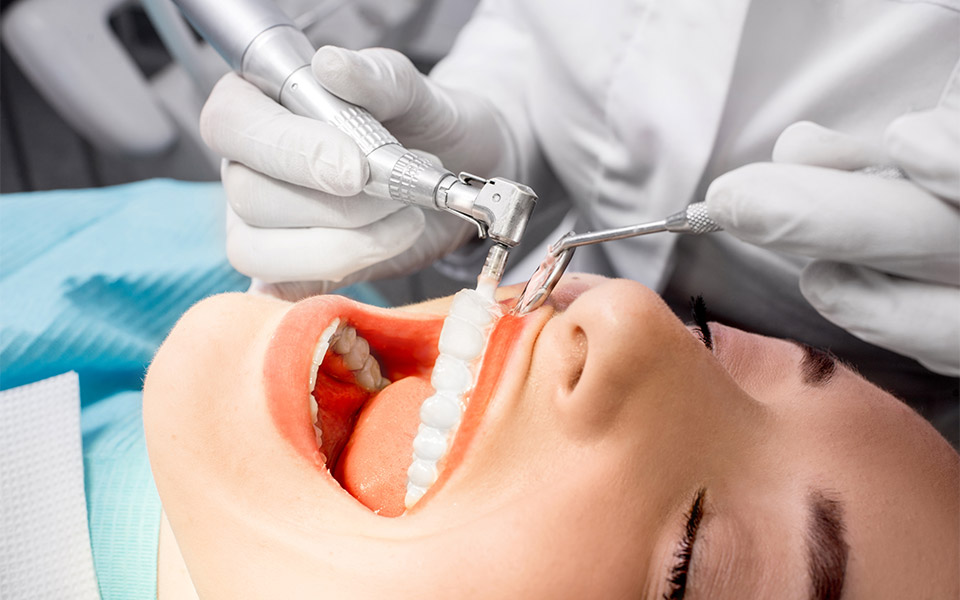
366 131
406 183
699 221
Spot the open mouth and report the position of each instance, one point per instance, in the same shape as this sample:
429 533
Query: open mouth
345 383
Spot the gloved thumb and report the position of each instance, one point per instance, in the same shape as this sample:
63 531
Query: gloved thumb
807 143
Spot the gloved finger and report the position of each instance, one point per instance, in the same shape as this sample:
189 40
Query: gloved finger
386 83
445 233
926 145
460 127
891 225
263 201
318 253
913 318
242 124
807 143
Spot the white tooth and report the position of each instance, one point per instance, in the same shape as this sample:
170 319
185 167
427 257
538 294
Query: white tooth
368 376
374 369
384 382
414 493
460 339
422 473
323 342
318 434
440 411
451 375
472 307
354 359
343 344
430 443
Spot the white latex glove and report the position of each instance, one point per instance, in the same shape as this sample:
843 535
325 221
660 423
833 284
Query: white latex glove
887 250
298 221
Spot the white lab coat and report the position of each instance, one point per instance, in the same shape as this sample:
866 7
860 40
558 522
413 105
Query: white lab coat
636 105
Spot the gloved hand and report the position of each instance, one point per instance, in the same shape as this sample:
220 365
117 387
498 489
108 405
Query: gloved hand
887 251
298 221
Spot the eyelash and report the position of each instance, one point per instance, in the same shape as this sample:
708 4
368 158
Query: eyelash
699 309
678 573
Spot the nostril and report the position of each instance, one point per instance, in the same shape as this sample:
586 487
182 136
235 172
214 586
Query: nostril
578 358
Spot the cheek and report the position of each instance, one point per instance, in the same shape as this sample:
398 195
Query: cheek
582 532
203 391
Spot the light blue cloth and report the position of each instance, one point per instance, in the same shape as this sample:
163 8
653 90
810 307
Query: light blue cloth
92 281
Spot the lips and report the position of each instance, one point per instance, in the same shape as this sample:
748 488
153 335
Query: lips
376 429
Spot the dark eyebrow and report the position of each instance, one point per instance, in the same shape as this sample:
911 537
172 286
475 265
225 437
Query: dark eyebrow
826 547
817 366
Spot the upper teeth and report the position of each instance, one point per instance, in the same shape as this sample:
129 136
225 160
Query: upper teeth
319 351
462 340
355 351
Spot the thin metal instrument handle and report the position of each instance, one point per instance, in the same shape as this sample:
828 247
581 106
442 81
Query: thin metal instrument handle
693 219
607 235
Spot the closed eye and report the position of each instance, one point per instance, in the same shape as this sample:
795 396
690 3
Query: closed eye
699 309
677 578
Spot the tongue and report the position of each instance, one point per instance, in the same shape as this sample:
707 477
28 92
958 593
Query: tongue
373 465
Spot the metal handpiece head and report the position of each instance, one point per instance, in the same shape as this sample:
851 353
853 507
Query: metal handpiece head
500 208
505 207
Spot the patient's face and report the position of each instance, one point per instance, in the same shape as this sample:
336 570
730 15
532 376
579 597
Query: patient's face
604 439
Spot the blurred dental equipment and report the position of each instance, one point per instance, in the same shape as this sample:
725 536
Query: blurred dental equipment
266 48
130 78
693 219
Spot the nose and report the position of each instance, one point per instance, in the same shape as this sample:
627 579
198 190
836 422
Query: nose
630 360
616 340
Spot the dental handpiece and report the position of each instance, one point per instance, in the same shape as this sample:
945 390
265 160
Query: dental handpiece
264 47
